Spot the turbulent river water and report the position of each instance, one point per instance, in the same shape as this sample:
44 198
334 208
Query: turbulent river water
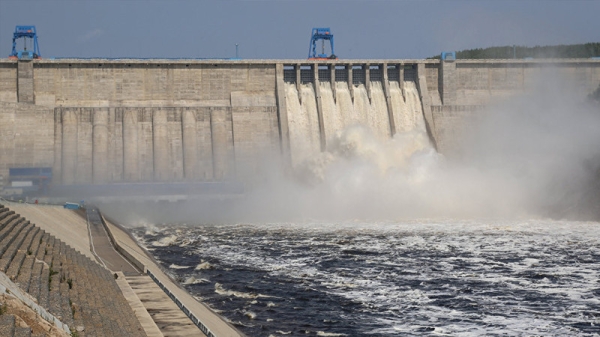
403 278
414 278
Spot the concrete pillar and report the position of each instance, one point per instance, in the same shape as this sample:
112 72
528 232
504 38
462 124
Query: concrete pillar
388 99
190 146
160 141
448 76
367 69
332 77
298 77
130 145
298 82
425 102
57 166
401 79
350 82
222 143
284 131
69 145
100 146
25 81
317 86
115 145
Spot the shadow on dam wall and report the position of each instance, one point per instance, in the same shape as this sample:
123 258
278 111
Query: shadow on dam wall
140 121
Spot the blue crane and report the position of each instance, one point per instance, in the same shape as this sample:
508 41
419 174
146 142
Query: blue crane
320 34
25 32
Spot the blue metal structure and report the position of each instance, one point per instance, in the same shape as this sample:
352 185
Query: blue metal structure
25 32
448 56
320 34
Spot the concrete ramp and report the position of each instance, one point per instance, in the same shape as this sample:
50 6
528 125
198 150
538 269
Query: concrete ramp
62 223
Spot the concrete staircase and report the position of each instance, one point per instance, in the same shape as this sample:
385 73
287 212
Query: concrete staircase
69 285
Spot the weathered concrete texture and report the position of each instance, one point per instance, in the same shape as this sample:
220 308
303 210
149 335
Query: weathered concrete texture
26 136
8 82
25 82
449 124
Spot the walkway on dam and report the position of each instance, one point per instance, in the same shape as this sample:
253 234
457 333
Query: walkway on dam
159 314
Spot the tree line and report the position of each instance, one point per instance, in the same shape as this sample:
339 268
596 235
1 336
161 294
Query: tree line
585 50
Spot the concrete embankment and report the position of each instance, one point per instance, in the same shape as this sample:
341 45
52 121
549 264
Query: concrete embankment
59 282
152 304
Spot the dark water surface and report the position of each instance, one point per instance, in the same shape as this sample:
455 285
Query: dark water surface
444 278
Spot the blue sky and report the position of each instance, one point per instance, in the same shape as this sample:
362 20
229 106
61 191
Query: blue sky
281 28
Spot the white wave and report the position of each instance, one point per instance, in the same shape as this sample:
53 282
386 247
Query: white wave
175 266
166 241
329 334
225 292
250 314
203 266
193 280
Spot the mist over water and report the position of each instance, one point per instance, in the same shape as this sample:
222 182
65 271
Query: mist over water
532 155
383 235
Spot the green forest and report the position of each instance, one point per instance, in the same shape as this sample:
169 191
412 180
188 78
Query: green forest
586 50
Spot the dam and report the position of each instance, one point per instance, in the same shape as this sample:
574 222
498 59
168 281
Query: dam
100 121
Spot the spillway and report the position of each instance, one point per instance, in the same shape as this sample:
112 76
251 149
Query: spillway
342 111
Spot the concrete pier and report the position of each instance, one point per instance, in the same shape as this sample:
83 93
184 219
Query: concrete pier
190 145
130 145
161 150
69 146
100 147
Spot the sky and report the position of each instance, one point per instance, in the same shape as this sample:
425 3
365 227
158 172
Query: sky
280 29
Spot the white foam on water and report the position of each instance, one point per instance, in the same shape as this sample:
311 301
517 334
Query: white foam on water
203 265
165 241
226 292
175 266
494 257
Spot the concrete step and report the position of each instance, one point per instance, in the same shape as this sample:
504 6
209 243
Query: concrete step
26 270
41 252
11 221
22 332
20 245
48 250
7 325
4 216
44 287
11 236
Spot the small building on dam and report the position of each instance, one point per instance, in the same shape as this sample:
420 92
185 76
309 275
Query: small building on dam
99 121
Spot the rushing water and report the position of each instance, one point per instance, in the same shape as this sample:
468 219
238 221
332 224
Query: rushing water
454 278
403 278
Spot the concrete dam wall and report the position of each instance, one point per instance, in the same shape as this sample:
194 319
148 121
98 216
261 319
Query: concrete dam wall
110 121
